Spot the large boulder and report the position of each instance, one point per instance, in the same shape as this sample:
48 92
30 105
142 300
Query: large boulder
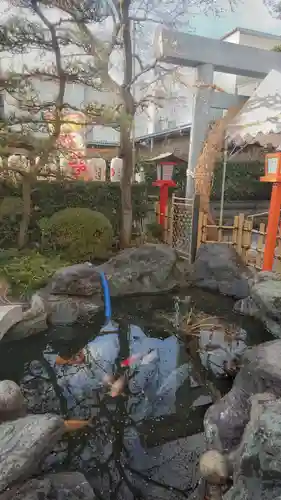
264 301
144 270
257 468
80 280
75 295
225 421
219 268
24 443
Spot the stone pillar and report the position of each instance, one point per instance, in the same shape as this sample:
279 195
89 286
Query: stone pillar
200 121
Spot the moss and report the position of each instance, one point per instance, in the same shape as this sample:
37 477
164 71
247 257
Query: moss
26 272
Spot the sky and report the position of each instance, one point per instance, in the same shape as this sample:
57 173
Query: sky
250 14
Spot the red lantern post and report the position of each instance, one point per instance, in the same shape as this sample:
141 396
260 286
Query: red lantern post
164 181
272 174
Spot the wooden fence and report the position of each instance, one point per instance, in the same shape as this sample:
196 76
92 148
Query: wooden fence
247 241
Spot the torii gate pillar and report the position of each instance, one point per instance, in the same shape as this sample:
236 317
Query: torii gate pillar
209 55
200 121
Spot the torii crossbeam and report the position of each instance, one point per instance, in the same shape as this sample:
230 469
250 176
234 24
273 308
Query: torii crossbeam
209 55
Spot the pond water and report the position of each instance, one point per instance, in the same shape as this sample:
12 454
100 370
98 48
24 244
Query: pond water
143 439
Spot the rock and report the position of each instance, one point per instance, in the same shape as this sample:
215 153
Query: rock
267 295
9 316
213 467
247 307
61 486
12 403
266 276
257 472
24 443
173 464
219 268
28 327
80 280
226 420
220 347
142 271
68 309
264 301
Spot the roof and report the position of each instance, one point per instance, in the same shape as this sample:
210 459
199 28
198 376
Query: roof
245 31
162 133
259 120
181 129
166 156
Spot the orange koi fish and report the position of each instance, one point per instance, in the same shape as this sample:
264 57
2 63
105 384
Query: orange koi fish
75 425
78 359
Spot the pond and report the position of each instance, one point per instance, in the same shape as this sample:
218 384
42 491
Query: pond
144 437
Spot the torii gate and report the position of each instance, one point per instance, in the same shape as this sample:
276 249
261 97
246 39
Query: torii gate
208 55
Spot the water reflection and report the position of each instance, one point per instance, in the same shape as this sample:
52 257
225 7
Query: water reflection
163 400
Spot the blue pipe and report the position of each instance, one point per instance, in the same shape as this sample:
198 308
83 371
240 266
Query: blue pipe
106 295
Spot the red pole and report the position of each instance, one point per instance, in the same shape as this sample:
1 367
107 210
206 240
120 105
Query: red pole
164 194
272 227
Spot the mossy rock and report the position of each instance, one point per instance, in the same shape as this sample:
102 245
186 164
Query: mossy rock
81 234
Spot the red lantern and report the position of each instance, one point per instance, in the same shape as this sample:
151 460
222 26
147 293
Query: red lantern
164 181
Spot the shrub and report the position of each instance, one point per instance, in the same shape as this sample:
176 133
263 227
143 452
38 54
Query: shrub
81 233
11 206
155 231
27 272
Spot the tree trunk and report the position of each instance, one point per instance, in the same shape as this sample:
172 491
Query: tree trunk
126 188
126 148
26 198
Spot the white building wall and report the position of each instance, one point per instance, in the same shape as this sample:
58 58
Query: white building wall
241 84
245 85
225 81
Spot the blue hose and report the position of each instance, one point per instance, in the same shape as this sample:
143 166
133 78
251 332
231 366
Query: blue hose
106 295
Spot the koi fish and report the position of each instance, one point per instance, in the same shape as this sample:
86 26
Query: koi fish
144 359
118 387
108 380
131 360
75 425
78 359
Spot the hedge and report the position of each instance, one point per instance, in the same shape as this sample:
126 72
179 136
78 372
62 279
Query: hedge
50 197
242 183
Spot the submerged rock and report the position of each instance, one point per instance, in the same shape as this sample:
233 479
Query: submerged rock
221 347
226 420
61 486
219 268
24 443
